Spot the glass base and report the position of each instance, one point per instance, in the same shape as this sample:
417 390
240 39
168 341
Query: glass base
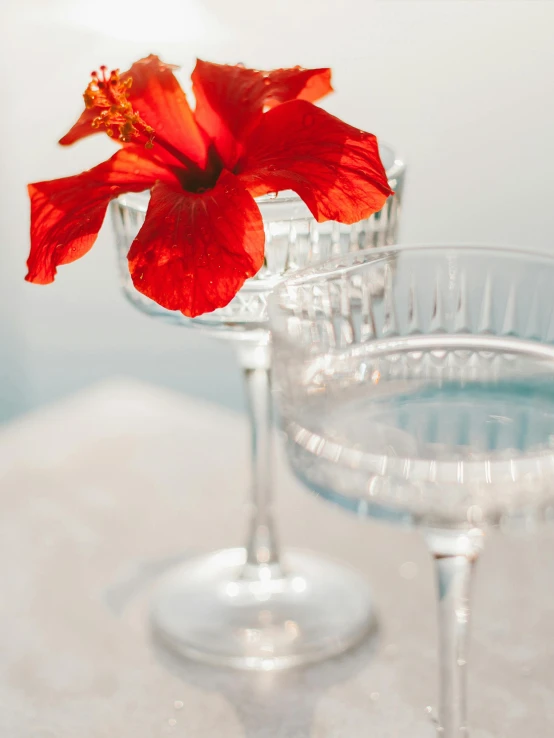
212 610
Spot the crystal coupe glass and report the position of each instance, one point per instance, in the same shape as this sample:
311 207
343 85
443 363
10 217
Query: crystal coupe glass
248 607
430 403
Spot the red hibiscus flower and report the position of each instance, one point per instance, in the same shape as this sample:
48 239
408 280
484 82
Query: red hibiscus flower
251 133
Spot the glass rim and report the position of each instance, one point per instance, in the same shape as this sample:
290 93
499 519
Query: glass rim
130 200
355 260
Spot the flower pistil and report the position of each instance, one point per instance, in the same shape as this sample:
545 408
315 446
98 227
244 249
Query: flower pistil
109 93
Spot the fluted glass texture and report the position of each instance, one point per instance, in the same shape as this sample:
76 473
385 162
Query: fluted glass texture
294 240
430 401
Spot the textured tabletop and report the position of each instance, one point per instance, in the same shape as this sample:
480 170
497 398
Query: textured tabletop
102 493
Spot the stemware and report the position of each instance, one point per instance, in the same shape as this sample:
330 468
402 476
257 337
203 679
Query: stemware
249 607
430 404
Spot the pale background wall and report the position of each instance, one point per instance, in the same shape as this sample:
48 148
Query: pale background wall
463 88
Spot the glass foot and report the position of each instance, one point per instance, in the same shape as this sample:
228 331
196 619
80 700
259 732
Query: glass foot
210 611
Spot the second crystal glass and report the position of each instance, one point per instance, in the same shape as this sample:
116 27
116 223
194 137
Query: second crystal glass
249 607
431 405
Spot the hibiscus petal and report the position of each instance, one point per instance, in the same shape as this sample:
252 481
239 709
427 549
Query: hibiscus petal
335 168
195 251
298 84
67 213
231 99
159 99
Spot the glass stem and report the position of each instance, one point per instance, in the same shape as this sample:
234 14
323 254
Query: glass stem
262 559
454 556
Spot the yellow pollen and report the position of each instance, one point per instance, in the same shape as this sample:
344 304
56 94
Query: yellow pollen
109 94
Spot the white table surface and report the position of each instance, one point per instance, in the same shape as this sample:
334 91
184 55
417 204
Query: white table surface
102 493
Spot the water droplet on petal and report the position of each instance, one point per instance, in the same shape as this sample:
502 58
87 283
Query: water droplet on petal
178 704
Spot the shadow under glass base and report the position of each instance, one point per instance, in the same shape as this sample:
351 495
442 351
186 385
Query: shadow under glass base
209 611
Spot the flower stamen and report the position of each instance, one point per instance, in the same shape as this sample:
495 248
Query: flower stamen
109 93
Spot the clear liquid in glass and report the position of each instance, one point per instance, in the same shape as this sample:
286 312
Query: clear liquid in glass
427 436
